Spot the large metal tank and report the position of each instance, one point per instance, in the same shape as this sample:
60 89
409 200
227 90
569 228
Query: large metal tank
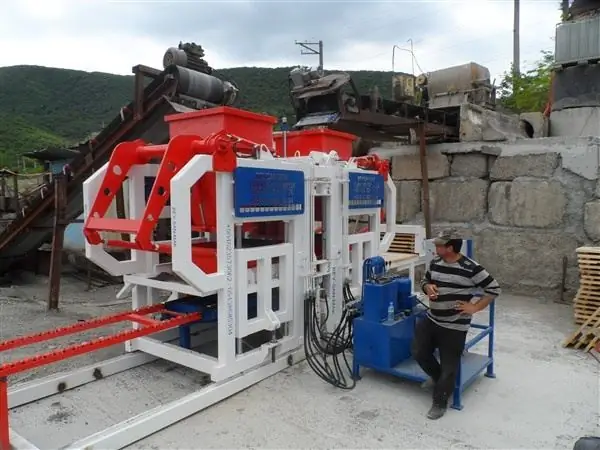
454 86
578 41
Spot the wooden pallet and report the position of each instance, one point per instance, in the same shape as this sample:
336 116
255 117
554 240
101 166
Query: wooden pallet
402 243
587 300
587 336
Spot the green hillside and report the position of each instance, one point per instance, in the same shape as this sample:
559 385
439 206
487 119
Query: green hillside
41 106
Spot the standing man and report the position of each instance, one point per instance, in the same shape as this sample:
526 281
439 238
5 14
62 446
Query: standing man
451 282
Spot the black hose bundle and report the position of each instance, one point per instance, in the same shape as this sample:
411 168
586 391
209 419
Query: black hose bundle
327 353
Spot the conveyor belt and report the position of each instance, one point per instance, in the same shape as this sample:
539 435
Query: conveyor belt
33 225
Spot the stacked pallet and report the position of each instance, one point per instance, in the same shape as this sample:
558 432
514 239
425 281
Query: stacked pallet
587 301
402 243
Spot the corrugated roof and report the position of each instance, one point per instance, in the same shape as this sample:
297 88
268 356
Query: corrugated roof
52 154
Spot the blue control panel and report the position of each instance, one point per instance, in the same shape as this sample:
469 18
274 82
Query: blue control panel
366 190
268 192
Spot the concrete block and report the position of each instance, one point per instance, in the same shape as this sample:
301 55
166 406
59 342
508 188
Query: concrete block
535 124
408 200
575 122
527 203
513 166
582 161
499 203
453 148
480 124
408 166
537 203
527 260
469 165
458 199
591 220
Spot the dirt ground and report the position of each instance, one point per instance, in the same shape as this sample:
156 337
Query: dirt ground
545 396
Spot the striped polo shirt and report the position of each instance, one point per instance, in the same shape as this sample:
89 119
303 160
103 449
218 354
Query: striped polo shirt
457 281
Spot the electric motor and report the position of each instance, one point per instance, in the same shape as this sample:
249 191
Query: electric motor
205 87
190 60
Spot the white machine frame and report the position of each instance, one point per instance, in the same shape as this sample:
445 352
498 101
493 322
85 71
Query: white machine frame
297 272
360 246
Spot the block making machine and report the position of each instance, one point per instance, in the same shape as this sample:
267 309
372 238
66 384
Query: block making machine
260 269
258 265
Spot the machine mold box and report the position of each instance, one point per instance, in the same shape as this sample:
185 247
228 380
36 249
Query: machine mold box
320 139
245 124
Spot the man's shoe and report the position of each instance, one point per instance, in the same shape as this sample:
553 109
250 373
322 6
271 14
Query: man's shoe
436 412
428 384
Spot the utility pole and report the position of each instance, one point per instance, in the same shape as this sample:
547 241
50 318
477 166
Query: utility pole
516 44
308 49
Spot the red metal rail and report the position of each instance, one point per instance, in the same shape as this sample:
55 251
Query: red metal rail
148 326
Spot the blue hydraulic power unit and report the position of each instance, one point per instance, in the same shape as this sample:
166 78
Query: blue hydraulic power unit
384 330
383 333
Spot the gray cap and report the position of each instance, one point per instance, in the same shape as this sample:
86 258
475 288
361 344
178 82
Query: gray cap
446 236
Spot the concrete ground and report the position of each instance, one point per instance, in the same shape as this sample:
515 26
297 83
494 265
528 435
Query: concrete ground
544 396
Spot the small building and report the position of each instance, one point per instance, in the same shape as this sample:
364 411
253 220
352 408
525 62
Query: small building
53 158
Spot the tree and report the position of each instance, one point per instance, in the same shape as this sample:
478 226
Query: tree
527 91
564 9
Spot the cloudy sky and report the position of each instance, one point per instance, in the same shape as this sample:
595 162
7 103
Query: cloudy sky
112 36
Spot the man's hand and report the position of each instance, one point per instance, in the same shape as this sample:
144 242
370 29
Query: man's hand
432 291
467 307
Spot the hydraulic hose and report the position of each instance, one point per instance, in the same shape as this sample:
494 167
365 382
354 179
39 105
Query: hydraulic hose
327 353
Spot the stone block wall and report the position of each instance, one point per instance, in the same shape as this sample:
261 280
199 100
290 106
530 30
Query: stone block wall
527 204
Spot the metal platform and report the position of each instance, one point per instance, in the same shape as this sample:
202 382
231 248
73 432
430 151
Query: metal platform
472 364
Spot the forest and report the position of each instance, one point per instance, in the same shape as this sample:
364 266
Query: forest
44 106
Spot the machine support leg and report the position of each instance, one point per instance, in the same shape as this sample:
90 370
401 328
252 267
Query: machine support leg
355 370
58 238
490 369
16 193
425 177
4 430
457 394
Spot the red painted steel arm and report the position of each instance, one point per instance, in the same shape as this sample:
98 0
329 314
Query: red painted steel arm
178 154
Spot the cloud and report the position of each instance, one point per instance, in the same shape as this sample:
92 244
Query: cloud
112 36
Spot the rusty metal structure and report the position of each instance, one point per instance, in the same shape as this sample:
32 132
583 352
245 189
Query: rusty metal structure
334 101
425 109
185 84
435 100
